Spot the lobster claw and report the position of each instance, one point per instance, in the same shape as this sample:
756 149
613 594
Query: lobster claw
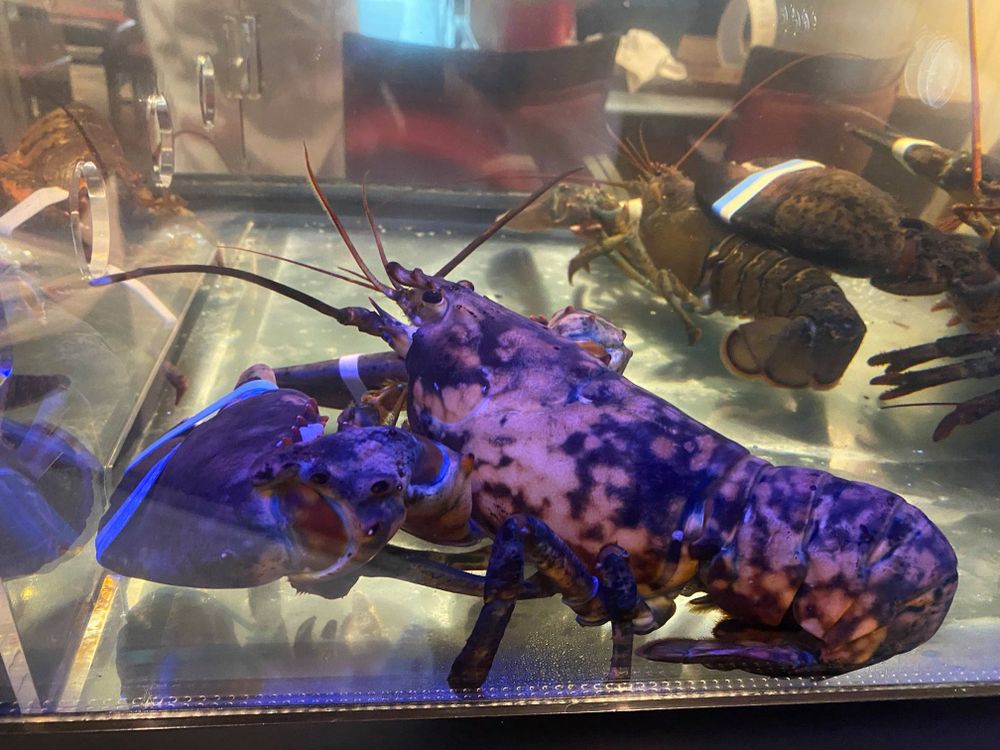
185 512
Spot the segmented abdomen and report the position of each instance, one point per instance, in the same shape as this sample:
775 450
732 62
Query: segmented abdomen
805 331
854 565
753 280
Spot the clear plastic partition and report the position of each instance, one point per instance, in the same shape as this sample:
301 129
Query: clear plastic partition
244 468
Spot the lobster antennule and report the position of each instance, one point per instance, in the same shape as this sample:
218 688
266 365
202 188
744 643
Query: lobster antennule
642 144
390 293
641 164
500 223
375 231
362 282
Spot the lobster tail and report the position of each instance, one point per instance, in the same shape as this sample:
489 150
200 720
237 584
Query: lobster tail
804 332
894 570
861 572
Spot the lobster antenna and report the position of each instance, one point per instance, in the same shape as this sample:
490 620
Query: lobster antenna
527 174
375 231
318 305
342 229
753 90
82 130
311 267
500 223
922 403
977 133
853 109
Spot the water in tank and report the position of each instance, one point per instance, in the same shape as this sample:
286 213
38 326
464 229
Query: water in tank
461 356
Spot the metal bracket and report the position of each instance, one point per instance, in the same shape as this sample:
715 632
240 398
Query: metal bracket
161 139
94 256
206 90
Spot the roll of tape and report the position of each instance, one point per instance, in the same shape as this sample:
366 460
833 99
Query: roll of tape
745 24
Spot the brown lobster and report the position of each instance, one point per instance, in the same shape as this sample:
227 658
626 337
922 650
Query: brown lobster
803 333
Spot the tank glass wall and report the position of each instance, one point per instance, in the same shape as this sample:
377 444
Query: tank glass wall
175 534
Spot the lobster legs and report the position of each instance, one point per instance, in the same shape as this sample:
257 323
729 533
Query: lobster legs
739 645
595 600
627 252
904 381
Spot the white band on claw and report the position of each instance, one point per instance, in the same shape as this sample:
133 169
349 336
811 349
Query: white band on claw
901 145
348 368
745 190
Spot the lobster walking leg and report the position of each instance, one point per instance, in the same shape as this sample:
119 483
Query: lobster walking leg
606 245
949 346
759 656
522 537
410 565
904 381
622 600
664 283
968 412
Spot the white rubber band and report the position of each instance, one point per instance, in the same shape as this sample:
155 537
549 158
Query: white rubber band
901 145
35 203
745 190
348 369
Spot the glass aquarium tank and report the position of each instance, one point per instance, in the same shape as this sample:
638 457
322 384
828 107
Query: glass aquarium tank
472 356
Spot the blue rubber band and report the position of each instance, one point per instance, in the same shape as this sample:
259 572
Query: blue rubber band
127 509
445 466
247 390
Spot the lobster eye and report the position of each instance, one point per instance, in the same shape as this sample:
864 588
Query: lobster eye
467 284
432 297
379 488
320 477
